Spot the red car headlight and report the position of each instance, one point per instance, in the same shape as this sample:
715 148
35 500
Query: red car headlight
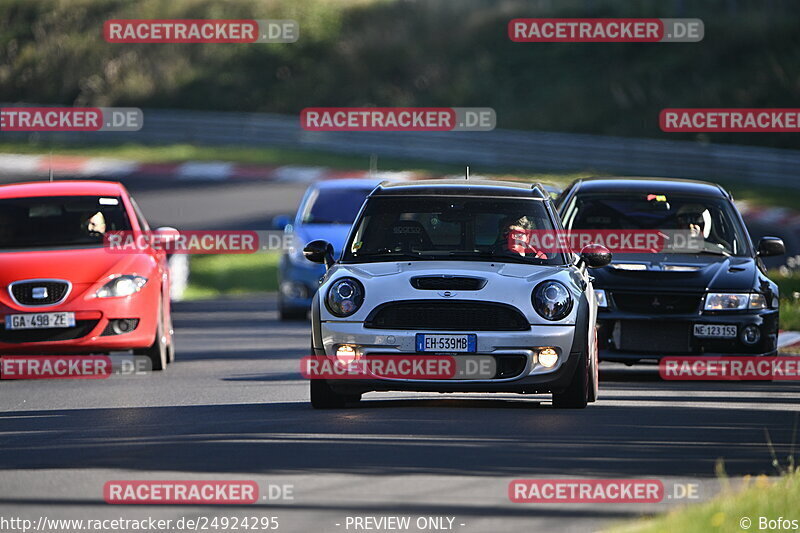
121 286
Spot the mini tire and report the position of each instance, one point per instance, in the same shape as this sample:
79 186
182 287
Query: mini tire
577 394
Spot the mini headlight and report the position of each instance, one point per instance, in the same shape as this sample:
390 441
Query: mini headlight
344 297
600 296
121 286
723 301
551 300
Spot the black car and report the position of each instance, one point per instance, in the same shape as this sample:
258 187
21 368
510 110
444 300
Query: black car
711 300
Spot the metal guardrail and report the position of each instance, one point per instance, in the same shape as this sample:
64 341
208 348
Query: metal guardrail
537 151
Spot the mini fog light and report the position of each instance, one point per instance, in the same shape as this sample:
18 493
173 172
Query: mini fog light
548 357
345 353
750 335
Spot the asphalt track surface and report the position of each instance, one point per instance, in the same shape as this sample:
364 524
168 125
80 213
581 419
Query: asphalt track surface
235 407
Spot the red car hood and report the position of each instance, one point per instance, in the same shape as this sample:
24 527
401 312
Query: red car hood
85 265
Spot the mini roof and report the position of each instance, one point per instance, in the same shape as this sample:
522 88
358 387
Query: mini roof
459 187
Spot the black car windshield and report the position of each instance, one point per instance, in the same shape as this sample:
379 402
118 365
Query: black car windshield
334 206
448 228
712 219
58 221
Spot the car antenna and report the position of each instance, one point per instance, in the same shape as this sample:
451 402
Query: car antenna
467 176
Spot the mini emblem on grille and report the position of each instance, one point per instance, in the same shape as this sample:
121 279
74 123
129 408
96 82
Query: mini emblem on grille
656 303
447 294
40 293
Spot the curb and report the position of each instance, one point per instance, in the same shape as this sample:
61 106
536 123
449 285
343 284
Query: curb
788 339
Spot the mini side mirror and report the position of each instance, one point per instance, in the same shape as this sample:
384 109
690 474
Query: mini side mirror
319 251
595 255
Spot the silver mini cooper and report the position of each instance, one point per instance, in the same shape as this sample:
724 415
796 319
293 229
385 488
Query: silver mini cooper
431 269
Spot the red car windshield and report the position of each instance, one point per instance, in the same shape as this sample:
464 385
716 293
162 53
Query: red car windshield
59 221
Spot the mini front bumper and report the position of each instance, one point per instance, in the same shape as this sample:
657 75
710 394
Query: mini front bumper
534 378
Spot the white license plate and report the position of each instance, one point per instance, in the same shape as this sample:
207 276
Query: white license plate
714 330
438 342
40 320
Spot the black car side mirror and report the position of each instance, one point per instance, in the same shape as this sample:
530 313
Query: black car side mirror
770 246
595 255
319 251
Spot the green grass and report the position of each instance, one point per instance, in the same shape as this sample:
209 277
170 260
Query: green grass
233 274
790 314
760 497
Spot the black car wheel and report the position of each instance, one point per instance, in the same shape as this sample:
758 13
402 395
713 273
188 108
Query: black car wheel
577 394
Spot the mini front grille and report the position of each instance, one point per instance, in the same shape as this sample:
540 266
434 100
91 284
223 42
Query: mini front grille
447 283
457 315
81 329
660 303
44 292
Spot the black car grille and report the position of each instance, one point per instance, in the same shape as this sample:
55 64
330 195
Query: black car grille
55 292
81 329
654 337
447 283
453 315
659 303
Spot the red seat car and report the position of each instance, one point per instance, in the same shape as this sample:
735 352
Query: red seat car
63 290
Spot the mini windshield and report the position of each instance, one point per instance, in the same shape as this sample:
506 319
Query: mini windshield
448 228
51 221
713 219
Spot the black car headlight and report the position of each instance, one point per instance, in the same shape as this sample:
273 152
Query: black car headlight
344 297
551 300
